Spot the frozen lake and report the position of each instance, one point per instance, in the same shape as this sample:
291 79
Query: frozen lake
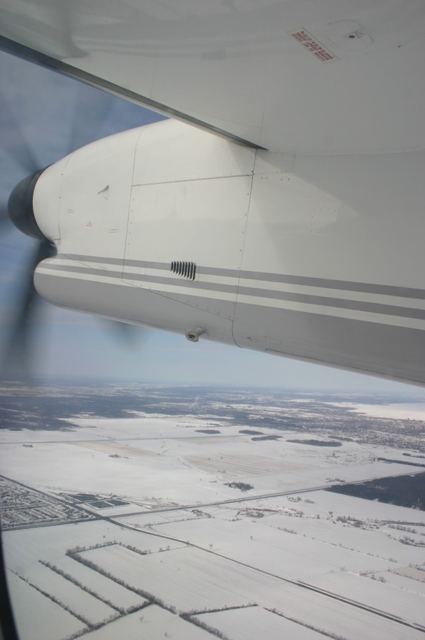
400 410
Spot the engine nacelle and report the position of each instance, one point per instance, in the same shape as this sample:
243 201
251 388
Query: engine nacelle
315 257
122 211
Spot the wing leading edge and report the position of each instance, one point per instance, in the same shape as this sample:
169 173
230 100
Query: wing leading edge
336 76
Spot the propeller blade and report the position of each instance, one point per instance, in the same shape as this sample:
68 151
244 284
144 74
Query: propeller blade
14 140
128 336
87 124
4 216
16 359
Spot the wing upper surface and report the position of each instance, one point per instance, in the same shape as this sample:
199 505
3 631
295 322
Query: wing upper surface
306 76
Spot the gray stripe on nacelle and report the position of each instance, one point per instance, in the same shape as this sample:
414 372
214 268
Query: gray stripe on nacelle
324 283
376 349
325 301
129 276
117 261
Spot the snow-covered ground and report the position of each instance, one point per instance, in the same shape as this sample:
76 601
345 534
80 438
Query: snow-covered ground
152 461
284 558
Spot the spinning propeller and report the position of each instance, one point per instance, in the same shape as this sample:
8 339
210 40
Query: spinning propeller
87 123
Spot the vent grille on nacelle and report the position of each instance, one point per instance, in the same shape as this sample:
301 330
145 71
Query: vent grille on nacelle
184 269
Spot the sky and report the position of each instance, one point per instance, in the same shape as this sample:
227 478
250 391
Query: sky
53 115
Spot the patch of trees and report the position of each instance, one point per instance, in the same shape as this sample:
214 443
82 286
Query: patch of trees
140 592
208 431
243 486
203 625
317 443
404 491
323 632
79 584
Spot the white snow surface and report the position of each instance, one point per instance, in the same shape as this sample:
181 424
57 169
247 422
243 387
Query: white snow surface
255 622
187 539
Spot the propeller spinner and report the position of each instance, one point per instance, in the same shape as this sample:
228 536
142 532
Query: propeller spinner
20 207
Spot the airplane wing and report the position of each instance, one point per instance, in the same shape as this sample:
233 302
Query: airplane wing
329 93
305 76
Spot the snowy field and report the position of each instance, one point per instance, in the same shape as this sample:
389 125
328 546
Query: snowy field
203 536
155 462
